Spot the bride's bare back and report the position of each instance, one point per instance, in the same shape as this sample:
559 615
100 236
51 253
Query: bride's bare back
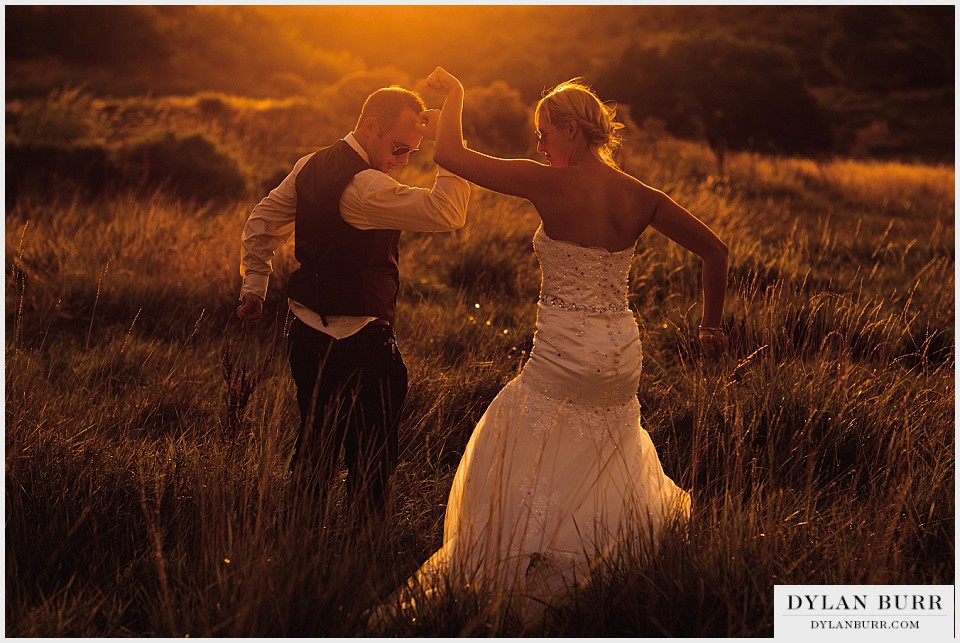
594 206
581 196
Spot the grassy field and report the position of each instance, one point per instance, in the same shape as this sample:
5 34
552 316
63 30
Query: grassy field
146 496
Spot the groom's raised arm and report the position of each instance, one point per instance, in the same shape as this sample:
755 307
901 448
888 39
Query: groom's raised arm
378 201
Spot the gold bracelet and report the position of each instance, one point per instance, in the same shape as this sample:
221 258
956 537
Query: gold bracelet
711 329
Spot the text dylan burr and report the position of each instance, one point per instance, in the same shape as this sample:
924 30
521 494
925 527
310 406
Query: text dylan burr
855 602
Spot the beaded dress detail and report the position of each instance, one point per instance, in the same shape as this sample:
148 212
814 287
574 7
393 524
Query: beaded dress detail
559 467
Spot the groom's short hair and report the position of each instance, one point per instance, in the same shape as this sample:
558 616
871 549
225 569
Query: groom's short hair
388 103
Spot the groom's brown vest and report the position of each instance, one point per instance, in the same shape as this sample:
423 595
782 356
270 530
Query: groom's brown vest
343 270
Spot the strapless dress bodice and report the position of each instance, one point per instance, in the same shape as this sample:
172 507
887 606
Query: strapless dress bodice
582 278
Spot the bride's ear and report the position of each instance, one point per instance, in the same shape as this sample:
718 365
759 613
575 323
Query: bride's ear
572 129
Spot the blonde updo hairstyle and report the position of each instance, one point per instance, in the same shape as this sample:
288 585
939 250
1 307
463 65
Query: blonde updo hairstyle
573 100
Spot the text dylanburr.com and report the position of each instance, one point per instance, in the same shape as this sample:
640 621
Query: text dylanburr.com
864 612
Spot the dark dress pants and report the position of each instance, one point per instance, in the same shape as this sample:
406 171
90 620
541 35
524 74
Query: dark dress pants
350 393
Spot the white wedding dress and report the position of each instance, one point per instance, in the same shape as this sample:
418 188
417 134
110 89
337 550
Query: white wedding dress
559 468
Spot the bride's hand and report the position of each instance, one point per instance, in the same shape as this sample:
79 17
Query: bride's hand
429 119
442 81
713 342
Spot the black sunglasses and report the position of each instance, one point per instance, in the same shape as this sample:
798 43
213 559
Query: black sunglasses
542 136
401 149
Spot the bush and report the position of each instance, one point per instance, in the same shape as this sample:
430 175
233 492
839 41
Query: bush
188 165
56 168
347 95
496 116
213 105
67 116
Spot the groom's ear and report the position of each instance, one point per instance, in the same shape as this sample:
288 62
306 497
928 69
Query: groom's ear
368 126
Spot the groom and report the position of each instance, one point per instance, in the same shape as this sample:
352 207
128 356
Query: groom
346 214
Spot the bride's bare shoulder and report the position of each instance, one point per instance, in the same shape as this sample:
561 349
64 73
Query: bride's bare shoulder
642 192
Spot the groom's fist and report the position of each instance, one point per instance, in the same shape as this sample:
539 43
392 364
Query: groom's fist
251 307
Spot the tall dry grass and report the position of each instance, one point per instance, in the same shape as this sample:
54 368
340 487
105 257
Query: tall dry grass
140 503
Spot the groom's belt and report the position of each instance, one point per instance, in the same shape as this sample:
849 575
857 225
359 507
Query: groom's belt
379 330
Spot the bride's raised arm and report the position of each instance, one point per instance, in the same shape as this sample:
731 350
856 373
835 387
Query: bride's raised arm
518 177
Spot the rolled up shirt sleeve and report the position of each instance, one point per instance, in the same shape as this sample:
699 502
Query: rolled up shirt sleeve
375 200
270 225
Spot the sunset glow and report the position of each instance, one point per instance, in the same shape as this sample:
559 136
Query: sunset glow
211 252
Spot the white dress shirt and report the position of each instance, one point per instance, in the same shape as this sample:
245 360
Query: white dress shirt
373 200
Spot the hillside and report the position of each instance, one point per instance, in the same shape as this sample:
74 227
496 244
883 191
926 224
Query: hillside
881 77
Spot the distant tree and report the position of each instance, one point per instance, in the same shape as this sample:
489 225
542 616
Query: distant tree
736 94
93 35
162 49
886 48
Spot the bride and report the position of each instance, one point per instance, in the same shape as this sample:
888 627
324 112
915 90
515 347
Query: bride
559 468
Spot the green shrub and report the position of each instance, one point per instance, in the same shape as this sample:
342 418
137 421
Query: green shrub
188 165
